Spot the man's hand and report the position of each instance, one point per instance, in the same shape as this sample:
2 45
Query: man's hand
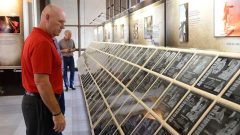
59 123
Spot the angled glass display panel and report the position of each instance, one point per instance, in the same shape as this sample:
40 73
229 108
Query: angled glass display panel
111 63
123 51
139 55
129 52
135 54
102 123
114 93
155 92
148 126
195 67
220 121
98 113
137 79
178 63
120 70
163 131
110 88
97 107
116 104
188 112
130 75
116 66
109 129
233 92
164 61
133 119
169 100
218 75
145 56
146 83
125 109
124 72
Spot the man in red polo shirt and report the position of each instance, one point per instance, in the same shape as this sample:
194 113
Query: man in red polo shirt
42 75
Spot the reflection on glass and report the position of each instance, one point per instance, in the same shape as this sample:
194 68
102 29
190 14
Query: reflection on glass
109 129
145 56
178 63
155 91
188 112
163 131
130 75
169 100
136 80
146 83
102 123
148 126
164 61
196 66
133 119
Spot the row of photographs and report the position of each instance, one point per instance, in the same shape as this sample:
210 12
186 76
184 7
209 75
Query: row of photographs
189 111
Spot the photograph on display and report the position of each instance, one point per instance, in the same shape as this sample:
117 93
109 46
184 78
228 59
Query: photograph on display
188 112
218 75
220 121
139 55
233 92
153 60
109 129
163 131
183 22
162 63
9 24
226 18
178 63
196 66
145 56
155 92
102 123
146 83
122 31
148 27
129 125
169 100
148 126
135 31
137 80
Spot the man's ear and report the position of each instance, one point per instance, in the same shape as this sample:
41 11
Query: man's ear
47 16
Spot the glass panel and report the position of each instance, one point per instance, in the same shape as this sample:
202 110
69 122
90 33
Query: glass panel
196 66
169 100
153 60
188 112
162 63
178 63
233 92
215 79
220 121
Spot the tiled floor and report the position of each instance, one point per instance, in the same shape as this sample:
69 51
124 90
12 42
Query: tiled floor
12 123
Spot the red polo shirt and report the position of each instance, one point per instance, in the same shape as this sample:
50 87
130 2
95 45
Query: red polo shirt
40 56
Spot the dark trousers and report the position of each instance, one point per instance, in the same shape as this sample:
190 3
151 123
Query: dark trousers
37 117
68 62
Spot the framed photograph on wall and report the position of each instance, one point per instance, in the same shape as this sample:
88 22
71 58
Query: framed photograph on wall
183 22
148 27
226 18
9 24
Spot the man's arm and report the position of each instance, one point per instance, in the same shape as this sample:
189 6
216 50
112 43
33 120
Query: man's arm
45 90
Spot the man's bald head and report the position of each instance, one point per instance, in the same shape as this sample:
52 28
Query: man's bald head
52 19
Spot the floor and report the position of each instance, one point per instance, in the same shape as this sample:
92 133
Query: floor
12 123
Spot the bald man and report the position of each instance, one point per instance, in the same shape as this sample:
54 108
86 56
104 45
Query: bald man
42 75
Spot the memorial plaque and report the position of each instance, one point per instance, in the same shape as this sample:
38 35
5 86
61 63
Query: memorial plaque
153 60
145 56
193 70
169 100
163 131
130 75
148 126
137 79
164 61
131 123
146 83
102 123
215 79
188 112
220 121
233 92
178 63
155 92
139 55
109 129
133 54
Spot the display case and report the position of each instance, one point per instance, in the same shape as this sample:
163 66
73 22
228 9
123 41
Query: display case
145 90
